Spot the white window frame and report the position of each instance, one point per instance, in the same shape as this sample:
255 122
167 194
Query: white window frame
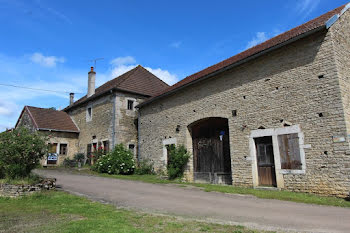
274 133
88 117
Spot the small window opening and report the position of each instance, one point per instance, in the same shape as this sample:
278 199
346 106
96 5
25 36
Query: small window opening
321 76
89 113
244 97
320 114
132 148
276 88
178 128
105 146
234 113
130 104
261 127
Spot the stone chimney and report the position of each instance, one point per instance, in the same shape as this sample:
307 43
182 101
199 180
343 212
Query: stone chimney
91 82
71 98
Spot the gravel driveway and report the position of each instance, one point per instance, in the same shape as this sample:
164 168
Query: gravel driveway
194 203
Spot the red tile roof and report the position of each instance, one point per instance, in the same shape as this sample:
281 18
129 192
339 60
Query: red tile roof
138 80
275 41
49 119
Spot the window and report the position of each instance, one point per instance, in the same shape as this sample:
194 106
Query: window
132 148
52 147
63 149
106 145
289 151
130 105
89 114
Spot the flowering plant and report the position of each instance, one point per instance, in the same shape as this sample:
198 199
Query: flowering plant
118 161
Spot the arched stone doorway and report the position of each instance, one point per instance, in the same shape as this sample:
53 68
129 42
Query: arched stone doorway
211 151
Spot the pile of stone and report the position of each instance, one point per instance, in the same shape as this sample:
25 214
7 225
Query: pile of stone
13 190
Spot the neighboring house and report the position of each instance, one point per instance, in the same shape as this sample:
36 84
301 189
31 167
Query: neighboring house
275 115
107 116
103 118
57 126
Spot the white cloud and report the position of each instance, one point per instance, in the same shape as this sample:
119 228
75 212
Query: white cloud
7 108
259 38
305 7
164 75
176 44
120 65
123 61
47 61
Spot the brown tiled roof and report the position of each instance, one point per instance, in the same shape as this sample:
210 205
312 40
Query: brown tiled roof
138 80
275 41
49 119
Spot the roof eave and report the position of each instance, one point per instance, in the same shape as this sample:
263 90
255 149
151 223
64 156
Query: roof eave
58 130
323 27
102 94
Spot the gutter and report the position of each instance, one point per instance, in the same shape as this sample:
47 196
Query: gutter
318 29
58 130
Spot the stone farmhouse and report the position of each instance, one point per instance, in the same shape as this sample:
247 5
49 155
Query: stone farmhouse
275 115
106 116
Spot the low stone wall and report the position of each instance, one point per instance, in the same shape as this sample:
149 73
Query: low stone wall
12 190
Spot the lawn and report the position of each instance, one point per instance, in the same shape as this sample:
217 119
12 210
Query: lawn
57 211
266 194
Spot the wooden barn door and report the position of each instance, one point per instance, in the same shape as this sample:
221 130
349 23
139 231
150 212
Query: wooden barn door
208 155
266 162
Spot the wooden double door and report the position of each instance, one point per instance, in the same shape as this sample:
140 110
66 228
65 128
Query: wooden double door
265 161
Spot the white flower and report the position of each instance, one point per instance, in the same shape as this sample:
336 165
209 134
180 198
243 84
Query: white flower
133 166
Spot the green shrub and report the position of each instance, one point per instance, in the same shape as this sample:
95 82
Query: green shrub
67 162
118 161
20 152
178 159
79 157
145 167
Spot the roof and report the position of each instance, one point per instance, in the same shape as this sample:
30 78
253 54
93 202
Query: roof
50 119
295 33
138 81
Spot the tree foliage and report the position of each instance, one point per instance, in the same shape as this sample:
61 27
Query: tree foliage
20 152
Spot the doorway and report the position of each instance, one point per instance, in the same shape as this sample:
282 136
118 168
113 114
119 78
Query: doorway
211 151
265 161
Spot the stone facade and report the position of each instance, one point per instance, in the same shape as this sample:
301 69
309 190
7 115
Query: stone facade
111 121
304 84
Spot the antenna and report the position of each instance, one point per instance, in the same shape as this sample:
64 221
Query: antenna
95 60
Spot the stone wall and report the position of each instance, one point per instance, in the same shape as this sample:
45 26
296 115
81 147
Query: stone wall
12 190
297 83
26 122
71 139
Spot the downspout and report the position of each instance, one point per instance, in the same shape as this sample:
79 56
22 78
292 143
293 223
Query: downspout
138 155
113 120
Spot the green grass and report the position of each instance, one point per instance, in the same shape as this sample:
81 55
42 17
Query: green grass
266 194
56 211
32 179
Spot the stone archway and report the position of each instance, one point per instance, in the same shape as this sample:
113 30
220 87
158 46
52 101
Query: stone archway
211 150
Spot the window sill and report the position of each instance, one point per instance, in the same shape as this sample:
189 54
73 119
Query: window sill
285 171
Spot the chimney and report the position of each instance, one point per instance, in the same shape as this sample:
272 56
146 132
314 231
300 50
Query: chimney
71 98
91 82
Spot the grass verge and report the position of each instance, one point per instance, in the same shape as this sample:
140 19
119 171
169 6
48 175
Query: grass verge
31 180
56 211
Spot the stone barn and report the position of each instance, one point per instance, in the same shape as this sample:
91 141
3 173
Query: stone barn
276 115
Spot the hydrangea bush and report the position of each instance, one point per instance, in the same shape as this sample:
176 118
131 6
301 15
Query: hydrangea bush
118 161
20 152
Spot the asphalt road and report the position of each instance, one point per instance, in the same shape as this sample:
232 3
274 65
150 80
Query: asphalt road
194 203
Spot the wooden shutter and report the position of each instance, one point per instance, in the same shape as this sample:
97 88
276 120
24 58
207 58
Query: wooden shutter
289 151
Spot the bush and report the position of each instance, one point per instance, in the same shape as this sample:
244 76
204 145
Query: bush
20 152
119 161
145 167
69 162
178 159
79 157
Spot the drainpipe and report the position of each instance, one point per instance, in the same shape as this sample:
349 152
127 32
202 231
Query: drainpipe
138 155
113 120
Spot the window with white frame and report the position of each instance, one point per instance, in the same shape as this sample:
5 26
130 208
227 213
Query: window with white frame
89 113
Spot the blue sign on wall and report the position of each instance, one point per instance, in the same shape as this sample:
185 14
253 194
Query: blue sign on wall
52 157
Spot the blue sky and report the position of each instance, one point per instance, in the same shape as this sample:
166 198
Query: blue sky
47 44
